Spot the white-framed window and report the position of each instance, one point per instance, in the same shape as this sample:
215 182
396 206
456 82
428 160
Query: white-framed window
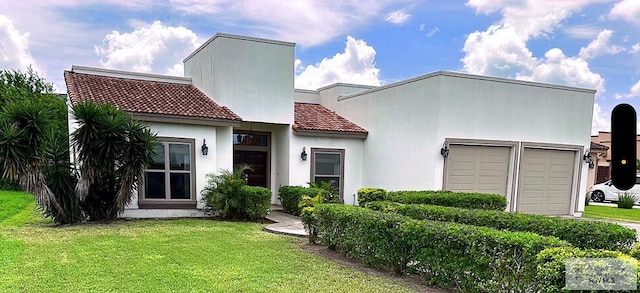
170 178
327 165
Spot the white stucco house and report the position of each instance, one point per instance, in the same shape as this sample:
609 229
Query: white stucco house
443 130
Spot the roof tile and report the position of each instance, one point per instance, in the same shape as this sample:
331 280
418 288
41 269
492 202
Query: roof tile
316 117
144 96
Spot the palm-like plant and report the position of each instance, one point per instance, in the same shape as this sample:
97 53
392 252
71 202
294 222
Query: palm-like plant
113 152
24 131
223 190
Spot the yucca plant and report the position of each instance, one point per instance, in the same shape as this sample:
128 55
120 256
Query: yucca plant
626 200
25 129
113 152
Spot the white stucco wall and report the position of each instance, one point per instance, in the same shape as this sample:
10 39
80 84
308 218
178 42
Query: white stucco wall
211 163
300 171
409 121
253 77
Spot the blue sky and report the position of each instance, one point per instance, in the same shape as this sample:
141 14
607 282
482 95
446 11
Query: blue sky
584 43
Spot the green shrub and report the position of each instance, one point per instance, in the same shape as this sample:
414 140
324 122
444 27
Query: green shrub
551 267
256 202
587 199
580 233
9 185
331 194
470 200
228 195
626 200
290 197
309 221
635 251
368 194
468 257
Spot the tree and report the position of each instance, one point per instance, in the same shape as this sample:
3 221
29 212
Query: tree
34 142
113 152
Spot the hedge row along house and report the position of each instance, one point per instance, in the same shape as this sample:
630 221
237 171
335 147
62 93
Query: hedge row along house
445 130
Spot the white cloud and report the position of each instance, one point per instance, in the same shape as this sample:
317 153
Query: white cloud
600 121
600 46
502 49
635 49
14 47
584 31
557 68
397 17
531 18
499 51
628 10
152 48
308 23
634 92
355 65
433 31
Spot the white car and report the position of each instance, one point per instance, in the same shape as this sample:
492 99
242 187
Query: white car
606 191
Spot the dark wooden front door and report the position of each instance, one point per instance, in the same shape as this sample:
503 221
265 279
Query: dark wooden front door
258 161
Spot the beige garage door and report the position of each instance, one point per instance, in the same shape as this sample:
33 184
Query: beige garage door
478 169
546 180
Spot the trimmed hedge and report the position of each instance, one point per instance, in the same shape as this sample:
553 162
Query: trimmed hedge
290 197
551 265
580 233
256 201
469 200
467 257
369 194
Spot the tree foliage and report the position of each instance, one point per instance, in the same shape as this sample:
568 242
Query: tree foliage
33 123
113 152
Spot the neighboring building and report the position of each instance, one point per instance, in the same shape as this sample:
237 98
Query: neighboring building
443 130
602 158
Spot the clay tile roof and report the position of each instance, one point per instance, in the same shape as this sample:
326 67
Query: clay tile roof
316 117
145 97
597 146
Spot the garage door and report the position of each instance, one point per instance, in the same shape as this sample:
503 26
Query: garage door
478 169
546 181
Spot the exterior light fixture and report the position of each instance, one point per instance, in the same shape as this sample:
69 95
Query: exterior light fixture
588 159
444 151
204 148
303 155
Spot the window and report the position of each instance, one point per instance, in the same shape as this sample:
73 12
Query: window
327 165
169 180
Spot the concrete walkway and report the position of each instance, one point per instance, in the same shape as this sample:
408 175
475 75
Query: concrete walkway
285 224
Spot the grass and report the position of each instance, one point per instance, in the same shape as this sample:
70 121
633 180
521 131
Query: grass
612 213
186 255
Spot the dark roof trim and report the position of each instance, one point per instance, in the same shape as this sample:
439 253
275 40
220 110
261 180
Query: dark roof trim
327 133
184 119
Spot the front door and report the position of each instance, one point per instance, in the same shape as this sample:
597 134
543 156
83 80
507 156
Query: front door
258 161
252 148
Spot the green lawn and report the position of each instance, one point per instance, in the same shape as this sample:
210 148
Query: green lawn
612 213
186 255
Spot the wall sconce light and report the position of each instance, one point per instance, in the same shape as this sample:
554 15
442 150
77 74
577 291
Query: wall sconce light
588 159
204 148
303 155
444 151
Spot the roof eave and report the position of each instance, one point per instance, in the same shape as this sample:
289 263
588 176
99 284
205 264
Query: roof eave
330 133
148 117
